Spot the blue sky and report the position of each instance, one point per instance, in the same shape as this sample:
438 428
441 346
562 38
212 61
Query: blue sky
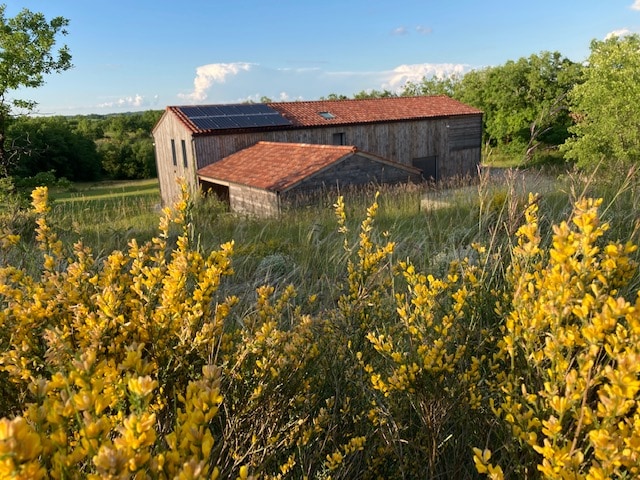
133 55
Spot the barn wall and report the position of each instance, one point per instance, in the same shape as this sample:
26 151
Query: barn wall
167 129
462 163
354 170
452 140
253 201
397 141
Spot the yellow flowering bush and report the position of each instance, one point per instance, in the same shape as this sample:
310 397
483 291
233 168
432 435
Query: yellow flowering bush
568 383
132 366
135 365
110 361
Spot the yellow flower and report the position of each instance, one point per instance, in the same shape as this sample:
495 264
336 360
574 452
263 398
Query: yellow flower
142 386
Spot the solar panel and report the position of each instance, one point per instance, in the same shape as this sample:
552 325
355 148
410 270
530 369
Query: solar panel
220 117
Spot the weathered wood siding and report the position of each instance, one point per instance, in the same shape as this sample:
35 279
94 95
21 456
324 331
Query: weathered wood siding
253 201
170 128
465 147
355 170
455 140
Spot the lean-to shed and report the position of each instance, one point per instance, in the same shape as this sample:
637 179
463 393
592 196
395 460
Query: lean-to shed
260 179
438 135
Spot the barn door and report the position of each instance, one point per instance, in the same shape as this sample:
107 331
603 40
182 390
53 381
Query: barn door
429 167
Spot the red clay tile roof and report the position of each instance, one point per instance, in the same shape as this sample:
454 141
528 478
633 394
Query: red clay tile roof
346 112
279 166
372 110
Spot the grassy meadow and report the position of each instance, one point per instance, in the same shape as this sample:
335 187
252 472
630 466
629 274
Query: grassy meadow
460 330
430 224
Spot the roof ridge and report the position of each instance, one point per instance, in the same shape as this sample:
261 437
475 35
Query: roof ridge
307 145
329 100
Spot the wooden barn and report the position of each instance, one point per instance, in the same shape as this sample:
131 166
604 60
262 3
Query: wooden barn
260 179
438 135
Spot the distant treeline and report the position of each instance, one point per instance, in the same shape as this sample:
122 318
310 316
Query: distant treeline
84 147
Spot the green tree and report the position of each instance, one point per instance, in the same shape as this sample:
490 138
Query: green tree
334 96
436 85
525 101
89 127
52 143
127 146
365 94
27 54
606 106
131 141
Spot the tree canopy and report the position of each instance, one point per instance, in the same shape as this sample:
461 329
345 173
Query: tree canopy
606 106
27 53
524 101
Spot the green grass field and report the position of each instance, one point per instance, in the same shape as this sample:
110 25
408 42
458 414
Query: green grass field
106 213
429 224
107 190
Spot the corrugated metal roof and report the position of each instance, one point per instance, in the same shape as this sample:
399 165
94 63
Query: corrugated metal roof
210 119
279 166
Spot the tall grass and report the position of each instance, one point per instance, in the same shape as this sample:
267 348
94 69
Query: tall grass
380 348
429 223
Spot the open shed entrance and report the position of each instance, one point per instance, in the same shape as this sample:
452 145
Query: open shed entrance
220 191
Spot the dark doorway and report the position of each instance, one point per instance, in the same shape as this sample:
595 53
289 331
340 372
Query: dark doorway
429 167
220 191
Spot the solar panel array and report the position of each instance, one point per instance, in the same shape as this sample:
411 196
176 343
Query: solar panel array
220 117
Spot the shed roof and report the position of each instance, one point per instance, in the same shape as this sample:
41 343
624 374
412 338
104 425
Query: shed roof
215 119
277 166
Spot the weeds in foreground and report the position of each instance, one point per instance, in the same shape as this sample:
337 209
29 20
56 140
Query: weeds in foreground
514 357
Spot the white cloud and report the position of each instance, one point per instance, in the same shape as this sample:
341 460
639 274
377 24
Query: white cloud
636 5
135 101
293 84
618 33
132 101
207 75
420 29
402 74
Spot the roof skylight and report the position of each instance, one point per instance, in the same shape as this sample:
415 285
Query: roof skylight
327 115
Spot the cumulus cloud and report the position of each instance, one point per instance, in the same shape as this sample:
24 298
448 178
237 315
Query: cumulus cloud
618 33
131 101
207 75
422 30
402 74
636 5
253 82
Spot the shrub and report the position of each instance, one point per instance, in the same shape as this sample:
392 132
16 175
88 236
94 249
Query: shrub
135 364
111 362
567 381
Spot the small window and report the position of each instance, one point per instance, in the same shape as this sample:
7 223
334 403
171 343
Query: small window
173 152
339 139
184 154
327 115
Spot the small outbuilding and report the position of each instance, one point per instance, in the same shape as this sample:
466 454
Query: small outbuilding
436 134
262 178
